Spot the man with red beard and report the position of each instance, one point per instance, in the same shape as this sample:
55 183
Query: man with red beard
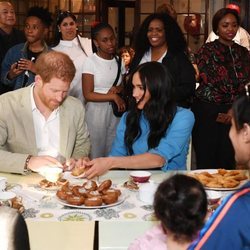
40 125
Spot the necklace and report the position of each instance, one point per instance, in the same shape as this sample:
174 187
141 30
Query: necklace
109 60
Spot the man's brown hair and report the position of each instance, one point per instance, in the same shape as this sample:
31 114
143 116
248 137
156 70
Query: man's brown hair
55 64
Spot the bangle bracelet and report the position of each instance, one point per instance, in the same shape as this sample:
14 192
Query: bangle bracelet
26 169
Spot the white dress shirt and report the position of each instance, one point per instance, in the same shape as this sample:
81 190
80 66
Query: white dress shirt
47 131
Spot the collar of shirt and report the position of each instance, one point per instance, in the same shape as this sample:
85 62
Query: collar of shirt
147 56
70 44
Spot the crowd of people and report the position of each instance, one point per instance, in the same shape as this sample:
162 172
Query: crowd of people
57 109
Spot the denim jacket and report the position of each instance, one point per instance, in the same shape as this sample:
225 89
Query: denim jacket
13 55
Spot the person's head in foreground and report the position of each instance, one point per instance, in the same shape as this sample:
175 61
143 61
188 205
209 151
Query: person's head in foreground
150 90
180 204
13 230
55 71
240 129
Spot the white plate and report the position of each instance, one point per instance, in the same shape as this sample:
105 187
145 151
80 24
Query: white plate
213 171
7 196
120 200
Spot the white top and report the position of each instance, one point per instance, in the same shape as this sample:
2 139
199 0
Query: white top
104 72
74 51
46 131
148 58
242 37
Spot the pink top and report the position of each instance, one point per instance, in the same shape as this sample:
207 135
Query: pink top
153 239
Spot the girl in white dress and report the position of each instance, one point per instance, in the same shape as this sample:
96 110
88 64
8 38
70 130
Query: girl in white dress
99 73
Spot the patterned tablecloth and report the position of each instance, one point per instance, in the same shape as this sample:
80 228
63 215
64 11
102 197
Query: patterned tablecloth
43 205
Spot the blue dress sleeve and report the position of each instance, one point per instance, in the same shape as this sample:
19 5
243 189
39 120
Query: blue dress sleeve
174 145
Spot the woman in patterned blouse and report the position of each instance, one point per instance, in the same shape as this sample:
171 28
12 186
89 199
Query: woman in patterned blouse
224 70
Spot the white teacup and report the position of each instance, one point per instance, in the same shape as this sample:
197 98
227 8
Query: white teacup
51 173
147 192
3 183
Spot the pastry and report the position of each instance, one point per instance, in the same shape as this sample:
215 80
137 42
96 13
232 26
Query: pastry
93 202
109 198
104 185
75 200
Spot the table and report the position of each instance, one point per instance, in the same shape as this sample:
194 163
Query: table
60 227
69 228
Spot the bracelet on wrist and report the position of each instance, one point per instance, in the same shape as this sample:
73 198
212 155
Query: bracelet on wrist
26 168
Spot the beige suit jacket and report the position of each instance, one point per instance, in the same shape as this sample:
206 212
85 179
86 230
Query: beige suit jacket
17 133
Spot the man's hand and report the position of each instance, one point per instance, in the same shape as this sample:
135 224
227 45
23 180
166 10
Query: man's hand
36 163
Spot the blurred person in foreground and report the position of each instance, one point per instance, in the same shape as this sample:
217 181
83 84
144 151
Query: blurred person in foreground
180 204
40 123
13 230
229 226
9 36
154 133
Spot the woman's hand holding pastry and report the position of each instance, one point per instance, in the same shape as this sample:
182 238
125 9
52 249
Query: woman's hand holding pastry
98 167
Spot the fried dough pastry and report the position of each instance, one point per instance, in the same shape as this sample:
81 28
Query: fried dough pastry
222 179
89 193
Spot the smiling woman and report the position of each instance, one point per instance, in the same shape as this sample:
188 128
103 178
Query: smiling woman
154 133
160 39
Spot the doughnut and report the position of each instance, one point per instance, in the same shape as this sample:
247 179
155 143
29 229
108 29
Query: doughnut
66 187
75 200
109 198
112 191
93 202
61 194
94 193
75 190
90 185
104 185
83 192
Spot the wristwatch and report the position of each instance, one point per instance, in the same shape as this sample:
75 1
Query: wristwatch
26 168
